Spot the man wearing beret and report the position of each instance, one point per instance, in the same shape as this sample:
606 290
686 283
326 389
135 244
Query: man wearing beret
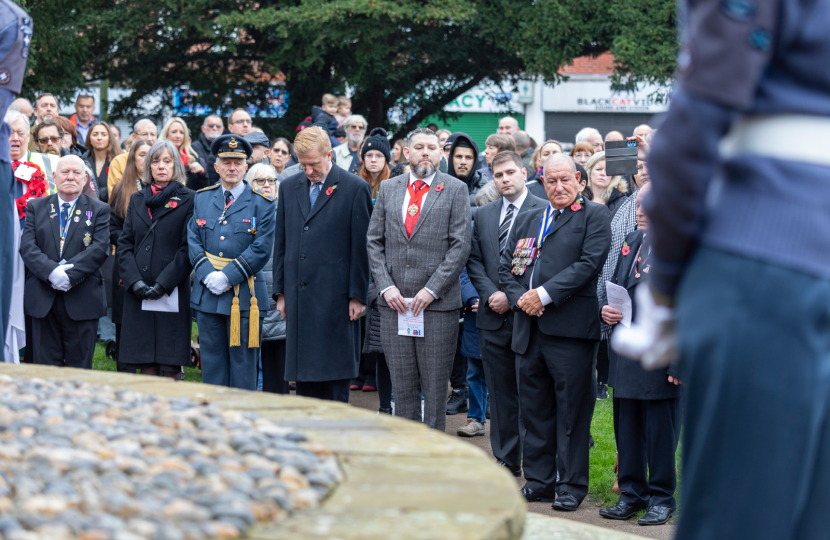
259 147
230 239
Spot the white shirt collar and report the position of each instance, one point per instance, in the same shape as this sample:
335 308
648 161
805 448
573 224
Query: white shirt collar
61 201
517 203
554 209
428 180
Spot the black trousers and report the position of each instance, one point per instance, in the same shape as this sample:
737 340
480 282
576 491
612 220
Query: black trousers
383 379
502 383
57 340
273 366
557 402
330 390
647 442
603 362
458 376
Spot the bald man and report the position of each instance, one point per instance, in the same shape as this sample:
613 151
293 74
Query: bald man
642 130
614 136
63 246
508 125
23 106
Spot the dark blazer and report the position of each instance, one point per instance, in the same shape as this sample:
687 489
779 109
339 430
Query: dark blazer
156 256
40 250
483 264
320 262
116 226
571 260
627 377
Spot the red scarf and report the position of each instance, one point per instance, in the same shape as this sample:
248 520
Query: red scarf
184 156
36 187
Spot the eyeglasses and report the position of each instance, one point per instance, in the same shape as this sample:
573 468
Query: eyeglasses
263 181
44 140
243 122
280 151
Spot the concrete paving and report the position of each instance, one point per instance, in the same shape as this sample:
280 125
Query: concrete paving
588 511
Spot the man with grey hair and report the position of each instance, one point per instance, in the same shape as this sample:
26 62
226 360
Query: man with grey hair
549 272
346 155
522 140
508 126
144 129
614 136
64 243
212 128
23 106
591 136
642 130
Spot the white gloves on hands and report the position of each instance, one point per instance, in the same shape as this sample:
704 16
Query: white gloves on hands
217 282
652 339
59 279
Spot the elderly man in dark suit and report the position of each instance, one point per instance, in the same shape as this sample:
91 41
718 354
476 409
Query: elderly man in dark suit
549 274
419 240
645 411
321 269
495 318
64 244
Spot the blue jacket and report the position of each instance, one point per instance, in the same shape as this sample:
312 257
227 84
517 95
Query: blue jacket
469 339
232 238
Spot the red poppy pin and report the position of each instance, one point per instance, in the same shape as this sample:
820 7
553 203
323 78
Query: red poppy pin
171 204
439 187
577 206
330 190
625 249
201 222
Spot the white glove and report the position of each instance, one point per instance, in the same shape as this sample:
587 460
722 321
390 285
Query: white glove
652 339
217 282
59 279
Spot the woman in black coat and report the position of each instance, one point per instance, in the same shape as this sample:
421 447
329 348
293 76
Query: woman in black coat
154 262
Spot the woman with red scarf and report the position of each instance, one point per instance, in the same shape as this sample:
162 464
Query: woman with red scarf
155 269
176 131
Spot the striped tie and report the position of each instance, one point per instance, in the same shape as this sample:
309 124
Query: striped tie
504 228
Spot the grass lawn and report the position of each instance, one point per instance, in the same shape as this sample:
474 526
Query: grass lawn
603 455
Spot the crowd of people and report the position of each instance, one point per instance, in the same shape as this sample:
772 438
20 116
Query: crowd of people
297 258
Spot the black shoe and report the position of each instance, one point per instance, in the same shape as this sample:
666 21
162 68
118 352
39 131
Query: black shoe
531 496
656 515
591 441
621 511
602 391
487 410
385 410
565 502
457 402
517 472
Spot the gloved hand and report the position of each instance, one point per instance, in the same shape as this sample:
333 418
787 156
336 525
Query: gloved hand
217 282
155 292
59 279
652 339
141 289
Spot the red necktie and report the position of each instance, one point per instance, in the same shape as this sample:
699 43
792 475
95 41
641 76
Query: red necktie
414 208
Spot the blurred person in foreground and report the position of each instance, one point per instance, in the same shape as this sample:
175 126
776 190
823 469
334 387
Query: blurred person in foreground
740 268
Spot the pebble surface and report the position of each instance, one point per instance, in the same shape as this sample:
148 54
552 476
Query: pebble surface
91 463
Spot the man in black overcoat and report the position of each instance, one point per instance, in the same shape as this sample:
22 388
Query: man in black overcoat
494 320
646 424
321 269
549 274
63 246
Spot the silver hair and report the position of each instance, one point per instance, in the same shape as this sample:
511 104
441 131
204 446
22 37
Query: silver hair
70 157
16 106
142 121
355 118
13 116
585 133
179 174
487 194
258 169
512 120
553 158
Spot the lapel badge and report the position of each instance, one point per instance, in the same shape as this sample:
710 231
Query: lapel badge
87 239
53 208
201 222
53 216
439 187
77 212
77 219
88 223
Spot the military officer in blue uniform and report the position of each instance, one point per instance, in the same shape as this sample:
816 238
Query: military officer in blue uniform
230 239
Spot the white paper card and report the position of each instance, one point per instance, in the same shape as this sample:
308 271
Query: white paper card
619 299
24 172
168 303
409 324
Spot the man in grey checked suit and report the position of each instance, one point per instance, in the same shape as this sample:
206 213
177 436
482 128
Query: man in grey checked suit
494 319
418 241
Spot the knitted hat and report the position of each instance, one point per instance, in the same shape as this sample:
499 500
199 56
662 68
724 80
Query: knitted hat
377 141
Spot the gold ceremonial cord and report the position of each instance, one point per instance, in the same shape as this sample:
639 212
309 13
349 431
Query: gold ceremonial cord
253 323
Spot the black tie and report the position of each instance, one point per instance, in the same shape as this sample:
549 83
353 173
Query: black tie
65 214
228 198
504 228
556 214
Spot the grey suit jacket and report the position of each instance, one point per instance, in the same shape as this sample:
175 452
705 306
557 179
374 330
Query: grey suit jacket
439 247
483 266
